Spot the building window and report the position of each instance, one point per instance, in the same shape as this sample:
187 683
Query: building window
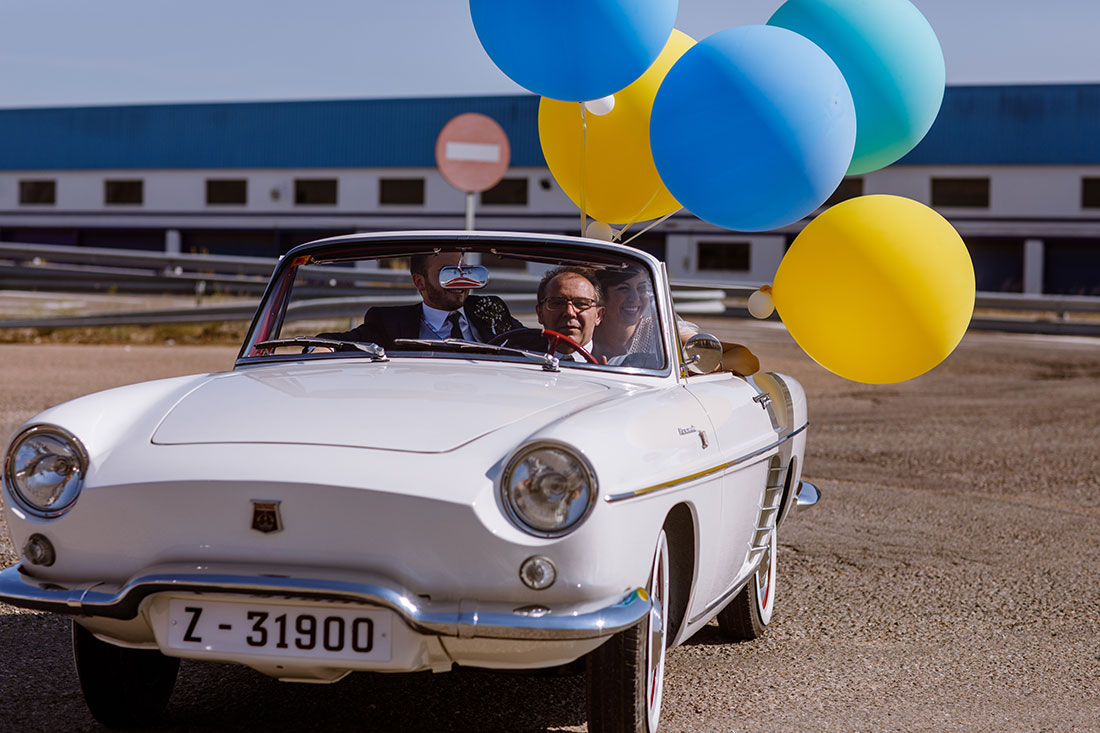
312 191
511 191
124 191
226 191
970 193
723 256
1070 266
849 188
401 191
1090 193
998 263
43 192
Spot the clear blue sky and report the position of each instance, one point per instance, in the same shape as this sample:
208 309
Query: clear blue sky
78 52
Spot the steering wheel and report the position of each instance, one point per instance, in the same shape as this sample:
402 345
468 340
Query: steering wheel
533 339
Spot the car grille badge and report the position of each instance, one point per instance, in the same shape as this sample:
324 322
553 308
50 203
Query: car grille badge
265 516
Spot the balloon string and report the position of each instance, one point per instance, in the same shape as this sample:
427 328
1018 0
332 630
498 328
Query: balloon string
584 171
653 224
622 230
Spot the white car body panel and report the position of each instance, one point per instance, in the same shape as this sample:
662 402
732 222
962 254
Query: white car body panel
421 408
388 475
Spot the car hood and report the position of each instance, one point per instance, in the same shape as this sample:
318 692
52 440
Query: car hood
402 406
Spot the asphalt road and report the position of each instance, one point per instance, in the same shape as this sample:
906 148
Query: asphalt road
949 579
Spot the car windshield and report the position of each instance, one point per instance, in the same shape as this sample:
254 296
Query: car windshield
555 305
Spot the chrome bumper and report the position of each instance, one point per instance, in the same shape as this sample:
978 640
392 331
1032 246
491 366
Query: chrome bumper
464 619
807 495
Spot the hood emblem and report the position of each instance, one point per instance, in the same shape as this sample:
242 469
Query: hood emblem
265 516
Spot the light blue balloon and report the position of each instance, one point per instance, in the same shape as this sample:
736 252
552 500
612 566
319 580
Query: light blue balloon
753 128
573 50
892 61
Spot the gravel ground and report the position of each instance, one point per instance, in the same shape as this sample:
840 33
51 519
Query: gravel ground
948 580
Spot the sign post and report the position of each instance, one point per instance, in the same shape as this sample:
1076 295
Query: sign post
472 153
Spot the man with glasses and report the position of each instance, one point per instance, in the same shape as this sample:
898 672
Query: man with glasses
571 303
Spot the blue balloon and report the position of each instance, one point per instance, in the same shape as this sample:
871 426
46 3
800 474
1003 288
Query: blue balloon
753 128
893 64
573 50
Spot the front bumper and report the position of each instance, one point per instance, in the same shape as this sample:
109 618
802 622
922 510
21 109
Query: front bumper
464 619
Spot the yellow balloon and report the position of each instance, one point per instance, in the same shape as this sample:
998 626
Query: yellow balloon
620 182
878 289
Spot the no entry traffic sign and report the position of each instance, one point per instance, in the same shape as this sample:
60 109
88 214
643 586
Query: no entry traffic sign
472 152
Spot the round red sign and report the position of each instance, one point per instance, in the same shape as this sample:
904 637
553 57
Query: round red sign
472 152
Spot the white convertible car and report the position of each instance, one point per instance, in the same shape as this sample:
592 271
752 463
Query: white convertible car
404 496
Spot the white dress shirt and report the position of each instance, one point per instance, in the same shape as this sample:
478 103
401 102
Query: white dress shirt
434 324
575 355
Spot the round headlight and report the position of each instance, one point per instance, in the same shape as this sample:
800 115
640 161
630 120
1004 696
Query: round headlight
44 470
548 489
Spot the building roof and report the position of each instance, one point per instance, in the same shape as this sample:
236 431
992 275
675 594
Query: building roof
343 134
978 125
1049 124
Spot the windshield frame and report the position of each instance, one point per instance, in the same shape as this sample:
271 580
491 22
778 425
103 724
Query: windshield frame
546 249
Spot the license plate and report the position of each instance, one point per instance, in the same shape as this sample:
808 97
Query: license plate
314 632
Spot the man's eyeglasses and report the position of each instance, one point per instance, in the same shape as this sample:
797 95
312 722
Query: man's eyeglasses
558 303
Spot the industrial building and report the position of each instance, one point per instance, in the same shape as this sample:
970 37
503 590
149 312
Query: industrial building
1016 169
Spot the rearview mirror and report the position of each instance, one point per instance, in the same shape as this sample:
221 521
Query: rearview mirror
704 353
463 277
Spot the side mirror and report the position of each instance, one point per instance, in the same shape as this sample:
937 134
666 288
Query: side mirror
704 353
463 277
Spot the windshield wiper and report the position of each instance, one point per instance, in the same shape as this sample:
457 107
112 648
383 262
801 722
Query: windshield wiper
549 361
374 351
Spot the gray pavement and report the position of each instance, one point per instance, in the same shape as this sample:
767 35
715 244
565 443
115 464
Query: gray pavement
948 580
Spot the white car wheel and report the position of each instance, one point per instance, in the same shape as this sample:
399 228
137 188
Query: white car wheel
658 634
747 616
625 676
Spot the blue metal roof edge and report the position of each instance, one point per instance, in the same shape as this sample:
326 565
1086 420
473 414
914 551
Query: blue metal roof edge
299 134
1023 124
980 125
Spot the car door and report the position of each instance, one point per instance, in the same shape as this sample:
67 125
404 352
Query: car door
744 436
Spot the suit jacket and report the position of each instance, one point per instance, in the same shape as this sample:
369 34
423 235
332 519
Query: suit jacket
488 314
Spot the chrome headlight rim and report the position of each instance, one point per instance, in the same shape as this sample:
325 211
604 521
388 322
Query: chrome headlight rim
516 517
9 470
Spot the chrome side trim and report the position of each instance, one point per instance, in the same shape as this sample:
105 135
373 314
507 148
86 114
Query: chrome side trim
466 618
717 604
611 498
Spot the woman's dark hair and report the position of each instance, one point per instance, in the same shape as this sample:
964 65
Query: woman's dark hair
610 278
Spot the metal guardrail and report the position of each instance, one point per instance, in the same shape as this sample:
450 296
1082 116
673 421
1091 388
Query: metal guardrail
137 259
688 303
984 300
342 307
86 269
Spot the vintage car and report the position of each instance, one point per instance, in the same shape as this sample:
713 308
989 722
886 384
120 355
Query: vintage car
504 499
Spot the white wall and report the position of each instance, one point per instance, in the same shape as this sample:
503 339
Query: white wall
765 252
1015 191
1030 202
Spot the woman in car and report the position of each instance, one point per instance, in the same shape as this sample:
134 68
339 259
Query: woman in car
628 325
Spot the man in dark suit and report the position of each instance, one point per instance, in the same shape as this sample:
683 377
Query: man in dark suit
443 313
